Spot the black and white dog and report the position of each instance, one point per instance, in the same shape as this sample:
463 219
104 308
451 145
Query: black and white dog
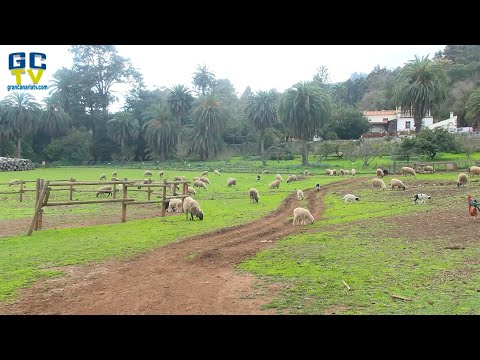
420 198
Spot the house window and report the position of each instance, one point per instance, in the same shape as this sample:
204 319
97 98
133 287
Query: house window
385 119
407 124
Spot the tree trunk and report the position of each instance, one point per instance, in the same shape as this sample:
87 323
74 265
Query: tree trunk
418 124
19 147
304 153
262 142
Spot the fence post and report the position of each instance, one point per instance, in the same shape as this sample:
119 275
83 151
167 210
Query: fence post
38 207
71 190
164 194
124 203
21 190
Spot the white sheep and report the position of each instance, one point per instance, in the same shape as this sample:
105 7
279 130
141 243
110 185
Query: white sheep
191 191
205 180
274 184
199 183
379 172
175 205
327 172
191 206
231 182
378 183
353 172
395 183
347 172
279 177
179 178
114 174
462 179
291 178
253 193
474 170
406 170
350 198
147 173
104 190
306 172
216 172
330 172
300 195
204 173
334 171
160 173
302 216
103 177
429 169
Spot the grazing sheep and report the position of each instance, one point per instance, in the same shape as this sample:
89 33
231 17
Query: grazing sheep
330 172
195 178
205 180
279 177
179 178
342 172
103 177
231 182
115 179
191 206
379 172
146 182
216 172
147 173
104 190
347 172
160 173
302 216
300 195
354 172
175 205
317 187
204 173
15 182
265 172
254 195
474 170
429 169
191 191
385 172
350 198
274 184
327 172
378 183
334 171
395 183
258 178
306 172
199 183
420 198
462 179
406 170
291 178
114 174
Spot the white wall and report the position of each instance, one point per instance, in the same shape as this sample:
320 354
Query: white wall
426 121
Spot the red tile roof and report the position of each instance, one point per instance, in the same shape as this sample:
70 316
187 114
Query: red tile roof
379 112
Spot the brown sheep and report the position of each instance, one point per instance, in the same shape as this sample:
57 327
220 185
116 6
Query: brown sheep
254 195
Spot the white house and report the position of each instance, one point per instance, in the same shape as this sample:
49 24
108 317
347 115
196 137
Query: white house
393 121
450 124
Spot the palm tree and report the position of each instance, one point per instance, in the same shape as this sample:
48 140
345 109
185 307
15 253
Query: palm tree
203 79
473 108
161 130
305 109
121 127
180 101
55 121
21 112
419 87
209 118
261 111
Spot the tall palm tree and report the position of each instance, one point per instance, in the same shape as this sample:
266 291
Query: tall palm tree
55 121
180 102
161 130
209 118
121 127
261 111
203 79
420 86
21 112
305 109
473 109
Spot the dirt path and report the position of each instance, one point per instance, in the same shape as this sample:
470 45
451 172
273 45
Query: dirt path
193 276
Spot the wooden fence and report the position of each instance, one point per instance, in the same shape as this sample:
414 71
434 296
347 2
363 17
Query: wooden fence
45 187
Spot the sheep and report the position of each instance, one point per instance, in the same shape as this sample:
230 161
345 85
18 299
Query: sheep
15 182
385 172
330 172
462 179
350 198
103 177
302 216
205 180
160 173
195 178
279 177
265 172
379 172
204 173
300 195
115 179
420 198
191 206
231 182
306 172
429 169
254 195
145 181
191 191
378 183
199 183
408 171
216 172
104 190
179 178
347 172
354 172
342 172
274 184
175 205
291 178
334 171
474 170
395 183
114 174
147 173
327 172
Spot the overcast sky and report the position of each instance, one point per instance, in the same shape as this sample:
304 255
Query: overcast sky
262 67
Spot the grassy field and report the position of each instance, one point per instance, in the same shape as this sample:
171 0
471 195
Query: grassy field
24 259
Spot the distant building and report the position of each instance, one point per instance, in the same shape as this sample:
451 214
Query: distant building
450 124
